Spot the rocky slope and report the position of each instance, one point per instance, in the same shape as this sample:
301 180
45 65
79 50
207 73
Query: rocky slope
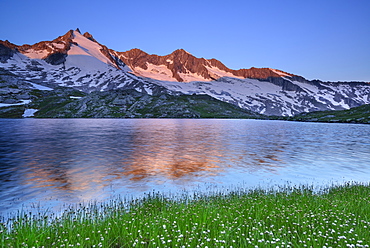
181 66
25 99
133 104
79 62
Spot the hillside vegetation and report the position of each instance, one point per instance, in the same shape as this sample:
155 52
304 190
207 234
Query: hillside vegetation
64 102
354 115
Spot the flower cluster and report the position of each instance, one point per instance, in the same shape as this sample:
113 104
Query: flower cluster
286 218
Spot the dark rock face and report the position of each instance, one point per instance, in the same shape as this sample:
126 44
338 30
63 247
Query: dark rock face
6 52
285 84
89 36
56 58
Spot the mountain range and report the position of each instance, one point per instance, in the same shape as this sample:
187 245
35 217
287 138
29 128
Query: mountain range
79 64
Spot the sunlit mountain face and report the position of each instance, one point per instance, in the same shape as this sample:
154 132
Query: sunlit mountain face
78 61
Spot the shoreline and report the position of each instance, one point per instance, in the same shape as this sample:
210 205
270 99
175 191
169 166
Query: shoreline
292 216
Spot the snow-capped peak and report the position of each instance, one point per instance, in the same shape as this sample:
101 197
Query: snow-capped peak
79 61
86 47
180 65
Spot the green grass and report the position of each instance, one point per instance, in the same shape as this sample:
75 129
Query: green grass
193 106
338 216
12 111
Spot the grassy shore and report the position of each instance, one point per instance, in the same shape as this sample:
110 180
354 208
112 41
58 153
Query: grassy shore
337 216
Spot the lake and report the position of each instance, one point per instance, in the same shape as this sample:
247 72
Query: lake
52 163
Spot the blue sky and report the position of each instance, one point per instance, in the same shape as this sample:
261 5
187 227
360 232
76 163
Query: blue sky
327 40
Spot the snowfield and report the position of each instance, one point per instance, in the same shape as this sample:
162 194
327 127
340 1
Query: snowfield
87 69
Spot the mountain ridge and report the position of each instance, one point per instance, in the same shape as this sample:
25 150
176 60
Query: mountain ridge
80 62
178 62
135 58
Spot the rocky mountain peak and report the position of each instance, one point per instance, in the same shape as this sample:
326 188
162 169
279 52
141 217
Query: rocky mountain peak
7 50
180 65
8 44
135 53
181 52
183 57
67 37
89 36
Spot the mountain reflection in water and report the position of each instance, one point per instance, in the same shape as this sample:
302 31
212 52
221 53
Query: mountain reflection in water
72 160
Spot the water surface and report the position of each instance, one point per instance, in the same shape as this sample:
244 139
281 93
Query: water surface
52 162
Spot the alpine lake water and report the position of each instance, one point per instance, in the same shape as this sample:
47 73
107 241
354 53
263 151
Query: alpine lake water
53 163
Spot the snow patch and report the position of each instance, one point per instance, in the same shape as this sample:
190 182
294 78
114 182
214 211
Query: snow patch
148 90
85 63
158 72
15 104
40 87
29 112
59 45
283 74
190 77
217 73
36 54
